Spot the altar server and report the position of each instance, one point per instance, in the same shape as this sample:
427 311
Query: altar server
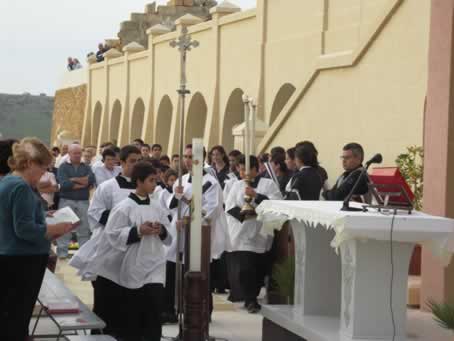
131 260
249 244
212 204
212 208
106 197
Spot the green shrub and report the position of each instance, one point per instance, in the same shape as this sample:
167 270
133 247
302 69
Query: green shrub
283 278
411 165
443 314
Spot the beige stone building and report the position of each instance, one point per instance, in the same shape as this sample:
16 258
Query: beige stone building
328 71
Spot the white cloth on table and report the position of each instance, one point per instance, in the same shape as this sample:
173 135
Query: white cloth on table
418 227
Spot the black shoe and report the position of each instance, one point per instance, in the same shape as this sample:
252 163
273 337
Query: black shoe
253 308
221 291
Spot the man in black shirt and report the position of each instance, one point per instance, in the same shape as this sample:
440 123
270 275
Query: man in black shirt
352 159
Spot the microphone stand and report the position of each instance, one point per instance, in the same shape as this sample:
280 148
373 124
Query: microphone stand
346 205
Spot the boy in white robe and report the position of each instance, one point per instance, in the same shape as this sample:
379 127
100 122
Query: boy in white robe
130 262
105 198
212 206
246 261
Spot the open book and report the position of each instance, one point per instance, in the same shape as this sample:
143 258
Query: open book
63 215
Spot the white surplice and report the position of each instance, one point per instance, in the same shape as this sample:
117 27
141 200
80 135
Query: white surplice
109 194
142 262
247 235
212 206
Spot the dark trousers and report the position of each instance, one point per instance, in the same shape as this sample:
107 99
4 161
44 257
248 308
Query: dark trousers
21 281
144 307
169 304
246 275
219 276
109 305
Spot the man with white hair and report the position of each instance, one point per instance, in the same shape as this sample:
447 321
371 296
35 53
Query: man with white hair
75 179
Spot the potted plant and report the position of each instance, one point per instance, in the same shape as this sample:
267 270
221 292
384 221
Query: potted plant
282 286
443 314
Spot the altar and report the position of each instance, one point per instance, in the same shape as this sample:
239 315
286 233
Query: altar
351 271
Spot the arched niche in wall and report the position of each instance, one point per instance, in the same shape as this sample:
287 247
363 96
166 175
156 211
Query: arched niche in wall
196 119
97 113
164 122
283 95
115 118
137 120
234 115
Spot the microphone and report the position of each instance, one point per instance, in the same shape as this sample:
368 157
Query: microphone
377 158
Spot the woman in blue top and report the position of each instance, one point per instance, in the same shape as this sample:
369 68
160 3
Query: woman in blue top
24 237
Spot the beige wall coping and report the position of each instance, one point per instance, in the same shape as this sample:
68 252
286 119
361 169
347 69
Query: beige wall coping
133 47
188 20
92 59
112 53
225 8
158 30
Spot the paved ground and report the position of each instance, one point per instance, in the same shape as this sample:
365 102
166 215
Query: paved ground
230 321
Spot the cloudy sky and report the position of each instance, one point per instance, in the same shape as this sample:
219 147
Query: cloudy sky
36 37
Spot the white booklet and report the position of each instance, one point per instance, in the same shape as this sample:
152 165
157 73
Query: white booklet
63 215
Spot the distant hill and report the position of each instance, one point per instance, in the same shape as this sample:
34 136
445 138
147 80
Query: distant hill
26 115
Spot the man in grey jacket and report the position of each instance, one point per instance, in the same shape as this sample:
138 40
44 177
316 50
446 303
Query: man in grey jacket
75 179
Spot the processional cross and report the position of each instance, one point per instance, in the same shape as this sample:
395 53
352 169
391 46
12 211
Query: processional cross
184 43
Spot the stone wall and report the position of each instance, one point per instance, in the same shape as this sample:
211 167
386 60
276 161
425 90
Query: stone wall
135 28
67 118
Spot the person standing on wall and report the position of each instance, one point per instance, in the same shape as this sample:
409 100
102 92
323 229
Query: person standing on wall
24 237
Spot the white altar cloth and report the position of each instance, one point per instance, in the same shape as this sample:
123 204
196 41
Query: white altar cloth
351 290
418 227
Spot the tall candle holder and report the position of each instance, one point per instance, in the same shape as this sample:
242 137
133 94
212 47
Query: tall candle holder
247 211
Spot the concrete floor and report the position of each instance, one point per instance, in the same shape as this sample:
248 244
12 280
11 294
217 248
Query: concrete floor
231 321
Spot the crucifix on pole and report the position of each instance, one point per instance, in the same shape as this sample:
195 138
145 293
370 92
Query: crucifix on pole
184 43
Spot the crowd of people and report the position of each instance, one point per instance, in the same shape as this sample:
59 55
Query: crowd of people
127 200
73 64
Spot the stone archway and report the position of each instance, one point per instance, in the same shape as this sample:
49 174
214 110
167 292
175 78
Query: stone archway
164 122
137 120
283 95
96 126
234 115
114 123
196 118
